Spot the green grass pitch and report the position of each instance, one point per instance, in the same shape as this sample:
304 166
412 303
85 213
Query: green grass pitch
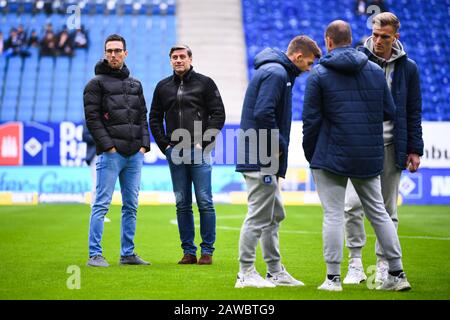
40 243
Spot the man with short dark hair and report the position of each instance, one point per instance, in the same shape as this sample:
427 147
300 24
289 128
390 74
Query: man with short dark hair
116 117
346 100
189 103
267 111
403 145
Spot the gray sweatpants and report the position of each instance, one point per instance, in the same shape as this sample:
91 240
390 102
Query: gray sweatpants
265 212
354 214
331 190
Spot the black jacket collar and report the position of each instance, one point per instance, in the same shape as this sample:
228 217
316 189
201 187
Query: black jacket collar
186 77
102 67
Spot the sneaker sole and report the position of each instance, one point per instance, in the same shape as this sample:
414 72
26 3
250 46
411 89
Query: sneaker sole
403 288
287 284
240 286
96 266
354 282
331 290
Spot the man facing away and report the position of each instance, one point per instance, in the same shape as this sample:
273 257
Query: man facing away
116 117
267 113
189 104
346 98
403 144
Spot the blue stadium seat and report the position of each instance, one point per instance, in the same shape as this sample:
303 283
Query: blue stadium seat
25 109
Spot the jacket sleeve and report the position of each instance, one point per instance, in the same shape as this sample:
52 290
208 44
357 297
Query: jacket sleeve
215 107
388 103
214 104
144 122
270 94
312 114
92 99
414 114
156 122
87 136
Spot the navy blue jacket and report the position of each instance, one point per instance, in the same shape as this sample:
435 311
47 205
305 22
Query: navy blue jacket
268 105
346 100
405 90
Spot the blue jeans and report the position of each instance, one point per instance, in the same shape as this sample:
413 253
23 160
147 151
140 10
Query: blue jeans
128 169
183 176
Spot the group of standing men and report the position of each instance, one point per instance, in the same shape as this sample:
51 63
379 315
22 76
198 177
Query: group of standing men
361 128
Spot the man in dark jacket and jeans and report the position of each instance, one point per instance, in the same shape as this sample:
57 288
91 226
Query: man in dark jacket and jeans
116 117
346 99
267 115
403 144
190 105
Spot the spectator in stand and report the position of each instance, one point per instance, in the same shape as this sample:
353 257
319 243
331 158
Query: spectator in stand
80 38
48 7
64 44
21 35
360 7
48 44
33 40
14 45
1 43
48 28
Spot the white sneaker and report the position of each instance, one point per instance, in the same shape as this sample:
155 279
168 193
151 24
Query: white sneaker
252 279
331 285
398 283
106 219
382 272
283 278
355 274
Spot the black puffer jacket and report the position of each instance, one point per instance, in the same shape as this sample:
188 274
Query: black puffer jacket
115 111
180 103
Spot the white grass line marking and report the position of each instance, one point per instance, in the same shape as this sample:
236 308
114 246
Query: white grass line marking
174 222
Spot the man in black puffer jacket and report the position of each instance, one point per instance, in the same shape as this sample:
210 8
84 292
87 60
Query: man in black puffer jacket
190 105
116 117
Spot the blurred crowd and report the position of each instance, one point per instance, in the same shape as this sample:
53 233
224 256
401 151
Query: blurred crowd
50 43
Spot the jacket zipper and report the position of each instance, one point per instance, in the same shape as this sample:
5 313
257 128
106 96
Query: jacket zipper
180 99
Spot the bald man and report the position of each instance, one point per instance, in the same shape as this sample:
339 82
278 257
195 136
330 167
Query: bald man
346 101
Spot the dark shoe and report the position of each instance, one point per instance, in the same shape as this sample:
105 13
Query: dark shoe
188 259
205 259
134 259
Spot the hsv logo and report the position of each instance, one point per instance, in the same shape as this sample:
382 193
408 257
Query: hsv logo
10 144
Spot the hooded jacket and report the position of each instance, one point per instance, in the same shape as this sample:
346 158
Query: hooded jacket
402 75
346 101
115 111
268 105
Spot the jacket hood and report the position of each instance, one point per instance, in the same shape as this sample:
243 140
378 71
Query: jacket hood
397 51
344 60
102 67
270 55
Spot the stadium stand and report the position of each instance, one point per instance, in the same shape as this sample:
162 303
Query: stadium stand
425 33
49 89
223 58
